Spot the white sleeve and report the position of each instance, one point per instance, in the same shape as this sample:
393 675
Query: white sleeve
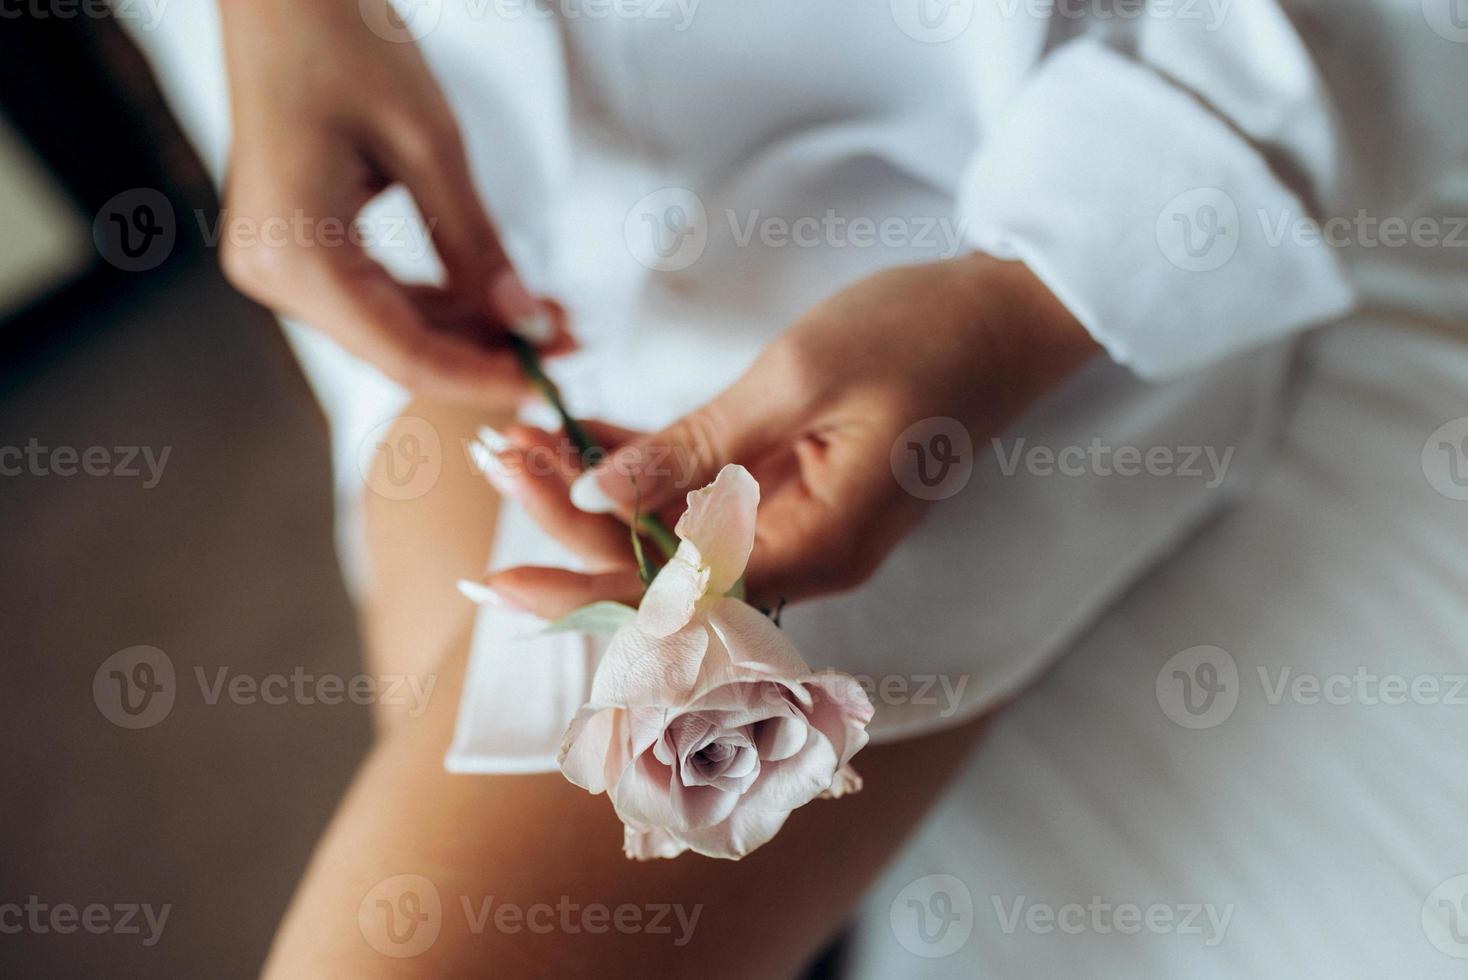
1156 172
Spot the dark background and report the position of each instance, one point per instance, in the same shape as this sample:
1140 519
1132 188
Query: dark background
226 562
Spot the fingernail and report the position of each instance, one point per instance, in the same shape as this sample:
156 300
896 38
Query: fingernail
511 298
483 595
537 330
491 462
494 440
589 497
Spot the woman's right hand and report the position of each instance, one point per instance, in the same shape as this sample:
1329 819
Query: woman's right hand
327 114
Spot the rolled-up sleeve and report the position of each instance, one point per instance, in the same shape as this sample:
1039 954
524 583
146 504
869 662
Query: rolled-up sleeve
1167 178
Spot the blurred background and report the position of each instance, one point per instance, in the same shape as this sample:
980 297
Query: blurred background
166 501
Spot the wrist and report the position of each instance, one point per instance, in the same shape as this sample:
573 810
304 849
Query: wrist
1033 341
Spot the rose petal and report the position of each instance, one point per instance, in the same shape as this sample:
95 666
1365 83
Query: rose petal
595 750
643 795
752 640
647 844
841 711
697 807
795 781
745 830
780 737
719 523
643 670
846 782
670 600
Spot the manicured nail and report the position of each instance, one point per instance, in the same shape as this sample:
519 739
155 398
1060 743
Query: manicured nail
481 594
494 440
489 456
536 330
589 497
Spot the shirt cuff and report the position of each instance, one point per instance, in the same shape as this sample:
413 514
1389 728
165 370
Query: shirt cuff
1160 227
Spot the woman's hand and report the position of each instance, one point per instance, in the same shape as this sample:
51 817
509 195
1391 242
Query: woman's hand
326 115
815 418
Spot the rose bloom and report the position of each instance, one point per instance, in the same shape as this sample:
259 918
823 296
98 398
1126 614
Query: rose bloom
705 727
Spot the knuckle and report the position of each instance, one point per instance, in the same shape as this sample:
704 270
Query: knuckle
430 145
257 271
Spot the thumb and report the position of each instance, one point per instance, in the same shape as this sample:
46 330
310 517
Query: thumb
747 421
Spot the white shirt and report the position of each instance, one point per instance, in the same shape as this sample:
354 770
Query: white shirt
1159 172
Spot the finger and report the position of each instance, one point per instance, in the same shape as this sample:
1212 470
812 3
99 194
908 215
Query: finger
430 160
533 468
828 521
336 287
758 415
551 593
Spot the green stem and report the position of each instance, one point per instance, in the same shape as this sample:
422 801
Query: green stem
591 453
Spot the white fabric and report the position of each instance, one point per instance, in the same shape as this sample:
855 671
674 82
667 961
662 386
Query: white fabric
1076 143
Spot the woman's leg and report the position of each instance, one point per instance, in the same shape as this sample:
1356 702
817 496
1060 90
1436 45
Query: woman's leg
419 548
427 874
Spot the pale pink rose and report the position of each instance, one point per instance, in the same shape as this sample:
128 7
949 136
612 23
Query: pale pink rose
705 726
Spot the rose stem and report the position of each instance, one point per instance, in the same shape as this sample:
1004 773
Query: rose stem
650 524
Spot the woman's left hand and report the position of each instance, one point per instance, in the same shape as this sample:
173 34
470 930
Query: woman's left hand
815 419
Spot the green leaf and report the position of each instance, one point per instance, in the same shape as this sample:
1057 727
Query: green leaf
598 619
